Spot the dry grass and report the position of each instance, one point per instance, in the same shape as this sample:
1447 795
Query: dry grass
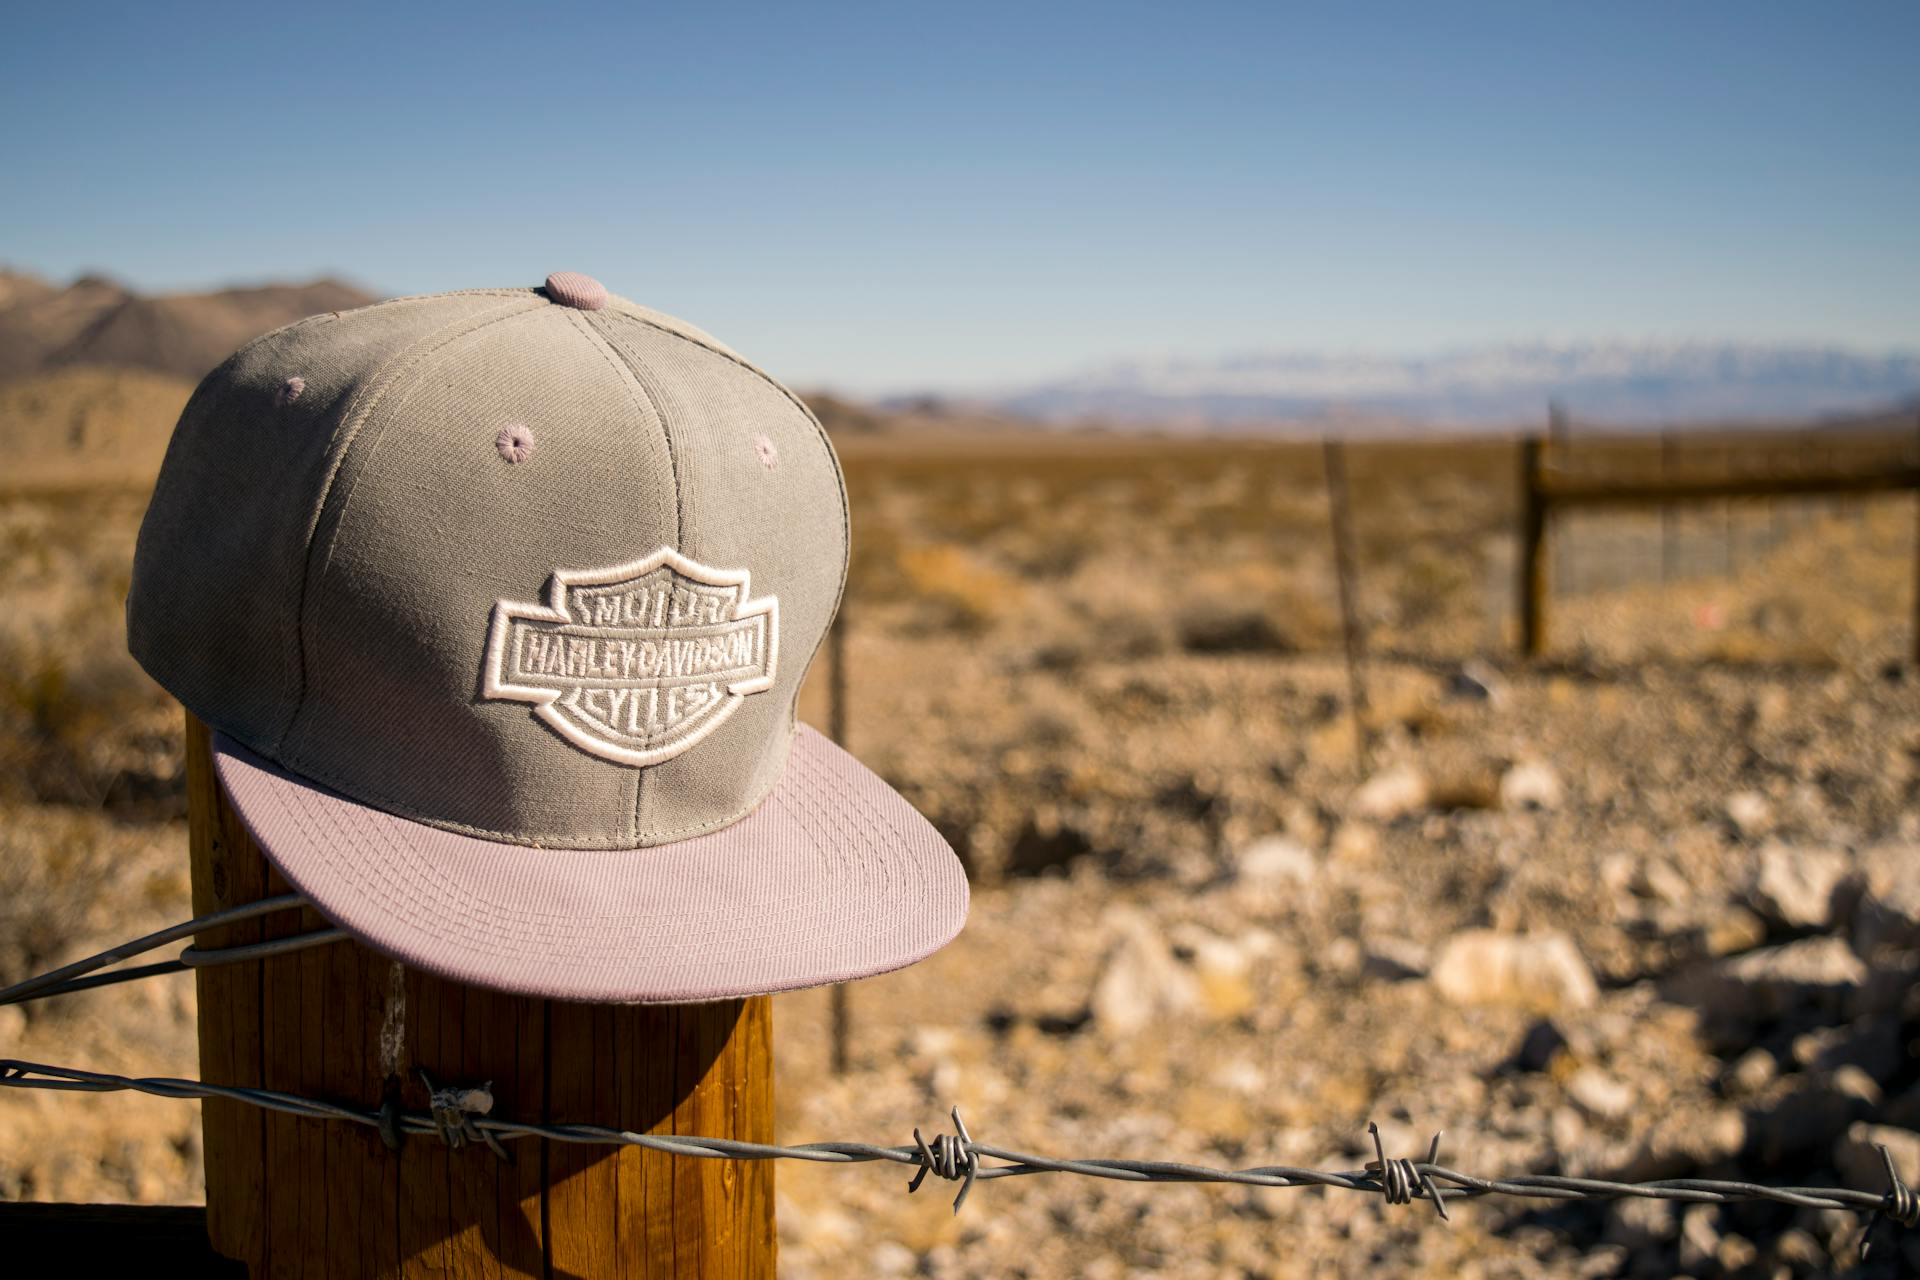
80 723
87 428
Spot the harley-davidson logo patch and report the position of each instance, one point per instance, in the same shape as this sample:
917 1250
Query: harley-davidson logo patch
635 663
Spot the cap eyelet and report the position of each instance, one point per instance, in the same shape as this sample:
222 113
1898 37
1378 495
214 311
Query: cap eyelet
515 442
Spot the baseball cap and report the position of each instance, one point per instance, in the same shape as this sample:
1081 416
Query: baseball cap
498 603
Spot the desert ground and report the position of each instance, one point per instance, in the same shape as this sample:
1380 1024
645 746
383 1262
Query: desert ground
1645 906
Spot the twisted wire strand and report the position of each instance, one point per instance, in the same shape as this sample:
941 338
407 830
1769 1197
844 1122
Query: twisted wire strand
74 977
458 1117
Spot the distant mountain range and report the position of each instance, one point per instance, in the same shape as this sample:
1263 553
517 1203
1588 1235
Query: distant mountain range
1615 383
97 321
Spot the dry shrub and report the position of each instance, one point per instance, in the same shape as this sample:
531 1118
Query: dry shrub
959 590
1111 610
98 733
87 426
53 874
1252 606
1045 547
1232 629
1432 580
80 723
1465 784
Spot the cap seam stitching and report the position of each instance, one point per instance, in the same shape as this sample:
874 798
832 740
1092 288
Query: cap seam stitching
376 305
630 380
833 456
366 398
661 400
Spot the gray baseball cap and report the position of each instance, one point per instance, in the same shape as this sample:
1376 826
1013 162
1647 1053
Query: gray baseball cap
499 604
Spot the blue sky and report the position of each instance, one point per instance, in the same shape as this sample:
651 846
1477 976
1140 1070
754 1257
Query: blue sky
881 197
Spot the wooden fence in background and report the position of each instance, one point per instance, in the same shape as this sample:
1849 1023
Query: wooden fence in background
1777 465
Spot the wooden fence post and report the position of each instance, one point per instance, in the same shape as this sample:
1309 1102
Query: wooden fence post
1530 576
1667 515
1563 575
295 1196
1914 640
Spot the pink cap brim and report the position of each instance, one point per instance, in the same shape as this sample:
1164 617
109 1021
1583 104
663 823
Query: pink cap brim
832 877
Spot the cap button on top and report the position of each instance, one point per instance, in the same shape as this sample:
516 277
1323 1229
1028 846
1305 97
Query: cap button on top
571 289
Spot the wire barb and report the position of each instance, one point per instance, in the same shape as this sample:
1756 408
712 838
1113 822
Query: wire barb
1900 1206
453 1112
950 1157
1401 1180
1903 1206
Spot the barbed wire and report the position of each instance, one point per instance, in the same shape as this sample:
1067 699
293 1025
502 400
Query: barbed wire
461 1116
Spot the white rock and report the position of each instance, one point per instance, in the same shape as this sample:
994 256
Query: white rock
1542 971
1640 1224
933 1044
1140 981
1750 813
1858 1161
1888 914
1850 1081
1395 958
1875 1045
1794 887
1478 682
1393 794
1753 1071
1239 1076
1656 880
1277 860
1599 1094
1566 1128
1342 957
1617 871
891 1258
1212 955
1355 844
1531 784
1818 973
815 1226
1819 962
1699 1238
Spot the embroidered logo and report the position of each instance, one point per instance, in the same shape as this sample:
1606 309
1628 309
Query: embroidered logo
638 662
